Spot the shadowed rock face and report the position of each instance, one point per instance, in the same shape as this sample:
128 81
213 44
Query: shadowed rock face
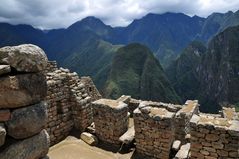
219 70
28 121
24 58
22 90
30 148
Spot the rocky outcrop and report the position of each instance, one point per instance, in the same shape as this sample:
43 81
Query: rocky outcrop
22 89
24 58
23 113
28 121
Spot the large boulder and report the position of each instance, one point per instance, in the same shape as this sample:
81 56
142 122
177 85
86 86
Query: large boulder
32 148
2 134
22 90
27 121
24 58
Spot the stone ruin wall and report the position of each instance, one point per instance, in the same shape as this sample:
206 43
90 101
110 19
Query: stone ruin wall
148 120
23 112
214 137
111 120
158 126
69 100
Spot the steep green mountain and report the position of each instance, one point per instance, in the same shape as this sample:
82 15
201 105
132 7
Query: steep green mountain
136 72
218 71
165 34
93 61
183 71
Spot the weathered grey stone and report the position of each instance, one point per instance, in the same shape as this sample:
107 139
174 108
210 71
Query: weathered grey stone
89 138
2 134
128 136
32 148
176 145
27 121
5 69
21 90
24 58
183 152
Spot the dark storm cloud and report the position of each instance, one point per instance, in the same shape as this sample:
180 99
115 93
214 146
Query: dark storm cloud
62 13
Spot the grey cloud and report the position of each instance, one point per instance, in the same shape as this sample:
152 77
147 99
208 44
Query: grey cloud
62 13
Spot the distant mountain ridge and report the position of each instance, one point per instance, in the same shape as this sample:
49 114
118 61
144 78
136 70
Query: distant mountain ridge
209 75
165 34
89 46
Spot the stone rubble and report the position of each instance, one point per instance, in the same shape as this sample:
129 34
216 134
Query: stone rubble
183 153
176 145
89 138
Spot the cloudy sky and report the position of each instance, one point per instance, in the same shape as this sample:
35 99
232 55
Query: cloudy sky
48 14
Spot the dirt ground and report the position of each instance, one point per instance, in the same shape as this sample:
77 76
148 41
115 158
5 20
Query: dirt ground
73 148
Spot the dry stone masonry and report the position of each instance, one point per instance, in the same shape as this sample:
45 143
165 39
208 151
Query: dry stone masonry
111 120
69 102
182 120
23 113
213 137
154 130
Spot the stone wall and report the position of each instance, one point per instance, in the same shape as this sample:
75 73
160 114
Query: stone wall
182 120
111 120
213 137
69 104
23 112
90 88
154 130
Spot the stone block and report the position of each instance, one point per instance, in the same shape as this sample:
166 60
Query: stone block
27 121
22 90
24 58
89 138
34 147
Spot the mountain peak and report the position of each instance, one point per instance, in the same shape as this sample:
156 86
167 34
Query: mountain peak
90 21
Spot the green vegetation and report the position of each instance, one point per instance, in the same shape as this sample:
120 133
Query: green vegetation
136 72
182 72
237 107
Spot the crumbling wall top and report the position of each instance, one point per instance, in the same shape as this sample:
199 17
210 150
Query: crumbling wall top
216 122
109 103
